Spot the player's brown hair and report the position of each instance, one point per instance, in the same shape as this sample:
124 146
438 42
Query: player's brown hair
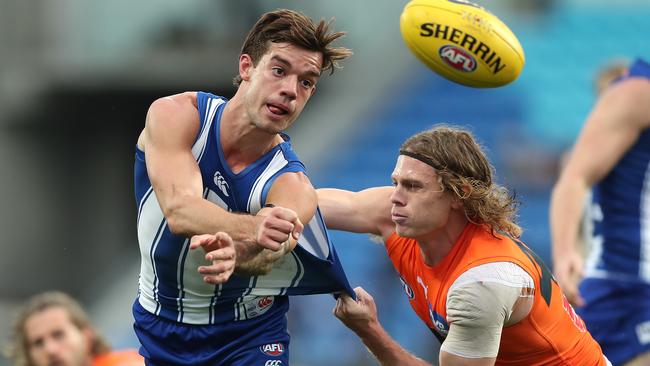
464 170
288 26
18 351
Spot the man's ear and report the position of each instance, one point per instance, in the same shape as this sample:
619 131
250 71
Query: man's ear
245 66
457 202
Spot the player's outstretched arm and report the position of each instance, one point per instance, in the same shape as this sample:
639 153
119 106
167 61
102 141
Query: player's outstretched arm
614 125
367 211
361 317
170 130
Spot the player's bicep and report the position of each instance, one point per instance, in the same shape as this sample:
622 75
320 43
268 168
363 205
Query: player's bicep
295 192
477 312
367 211
611 129
170 130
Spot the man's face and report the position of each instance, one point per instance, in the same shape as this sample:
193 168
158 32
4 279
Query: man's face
420 207
278 88
53 340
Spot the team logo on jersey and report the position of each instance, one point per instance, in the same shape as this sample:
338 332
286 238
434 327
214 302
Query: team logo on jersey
439 322
221 183
259 307
272 349
407 288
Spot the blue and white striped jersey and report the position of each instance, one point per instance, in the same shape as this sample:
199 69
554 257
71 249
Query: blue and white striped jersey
620 212
169 284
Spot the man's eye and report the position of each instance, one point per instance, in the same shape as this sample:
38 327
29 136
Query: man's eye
307 84
278 71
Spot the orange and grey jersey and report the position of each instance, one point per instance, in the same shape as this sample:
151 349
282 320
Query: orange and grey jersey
170 285
551 334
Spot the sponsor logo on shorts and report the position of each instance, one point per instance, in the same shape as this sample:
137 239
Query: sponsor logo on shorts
273 363
272 349
457 58
407 288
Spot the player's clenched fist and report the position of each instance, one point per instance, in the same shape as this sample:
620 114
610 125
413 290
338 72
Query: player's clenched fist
220 251
277 226
356 314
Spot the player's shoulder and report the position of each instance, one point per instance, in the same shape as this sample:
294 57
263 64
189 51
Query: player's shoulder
175 101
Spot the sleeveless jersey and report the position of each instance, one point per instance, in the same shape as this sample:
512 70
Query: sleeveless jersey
620 212
169 284
551 334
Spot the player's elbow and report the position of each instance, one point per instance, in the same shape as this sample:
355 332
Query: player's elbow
177 221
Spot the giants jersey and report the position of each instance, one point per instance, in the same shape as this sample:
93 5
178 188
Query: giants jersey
551 334
170 285
620 212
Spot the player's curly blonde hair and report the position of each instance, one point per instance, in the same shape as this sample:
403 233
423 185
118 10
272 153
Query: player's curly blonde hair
464 170
19 351
288 26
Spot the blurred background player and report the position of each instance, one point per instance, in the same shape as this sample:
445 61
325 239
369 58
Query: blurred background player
52 329
206 164
449 231
612 155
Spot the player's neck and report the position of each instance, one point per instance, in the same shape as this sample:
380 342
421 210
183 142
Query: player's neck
436 245
242 143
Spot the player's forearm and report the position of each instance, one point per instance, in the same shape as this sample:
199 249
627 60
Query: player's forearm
253 260
567 204
385 349
195 215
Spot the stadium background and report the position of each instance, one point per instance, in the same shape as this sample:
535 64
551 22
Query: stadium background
76 78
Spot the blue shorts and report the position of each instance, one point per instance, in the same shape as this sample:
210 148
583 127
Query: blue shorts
261 341
617 315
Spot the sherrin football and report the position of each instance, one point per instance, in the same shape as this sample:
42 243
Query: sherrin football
462 42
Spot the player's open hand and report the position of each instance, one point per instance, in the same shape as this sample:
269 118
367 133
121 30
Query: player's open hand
568 272
356 314
220 251
278 225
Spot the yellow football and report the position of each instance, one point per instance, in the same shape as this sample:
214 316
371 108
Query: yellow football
462 42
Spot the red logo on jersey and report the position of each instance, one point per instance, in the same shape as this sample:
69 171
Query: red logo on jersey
575 318
272 349
265 302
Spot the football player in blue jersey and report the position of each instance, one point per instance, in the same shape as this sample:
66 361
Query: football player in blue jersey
612 157
206 165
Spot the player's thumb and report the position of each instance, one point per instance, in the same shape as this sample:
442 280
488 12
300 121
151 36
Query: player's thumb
298 227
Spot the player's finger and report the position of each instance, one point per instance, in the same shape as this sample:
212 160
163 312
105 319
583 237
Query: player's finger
297 229
215 268
282 213
223 239
200 240
227 253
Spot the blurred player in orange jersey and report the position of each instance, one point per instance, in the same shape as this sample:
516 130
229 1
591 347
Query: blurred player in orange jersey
450 233
52 329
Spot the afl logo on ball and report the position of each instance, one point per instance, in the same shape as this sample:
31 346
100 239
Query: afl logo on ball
407 288
457 58
272 349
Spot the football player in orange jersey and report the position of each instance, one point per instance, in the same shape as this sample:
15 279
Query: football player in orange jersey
52 329
450 233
